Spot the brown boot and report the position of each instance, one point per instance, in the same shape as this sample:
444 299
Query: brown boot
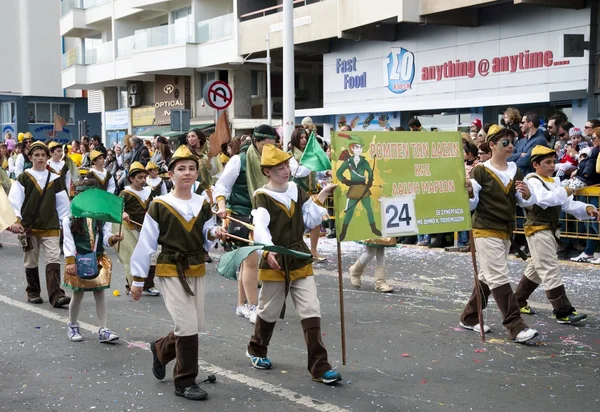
511 316
259 341
56 295
524 290
380 283
186 361
33 288
356 271
374 229
560 302
317 354
163 352
469 316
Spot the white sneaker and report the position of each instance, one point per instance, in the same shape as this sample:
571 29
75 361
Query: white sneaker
525 335
595 261
152 291
476 328
242 311
253 315
251 309
73 333
582 258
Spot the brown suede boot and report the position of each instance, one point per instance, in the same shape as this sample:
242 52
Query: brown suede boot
186 368
163 351
524 290
33 288
469 316
511 316
317 354
56 295
259 341
563 310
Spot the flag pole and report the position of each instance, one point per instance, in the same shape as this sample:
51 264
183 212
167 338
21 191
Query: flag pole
341 289
121 225
477 288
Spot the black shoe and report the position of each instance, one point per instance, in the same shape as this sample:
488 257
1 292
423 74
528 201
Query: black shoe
158 368
62 301
410 240
207 258
193 393
1 246
37 300
331 235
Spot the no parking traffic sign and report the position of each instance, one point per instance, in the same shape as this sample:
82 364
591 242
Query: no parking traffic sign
217 94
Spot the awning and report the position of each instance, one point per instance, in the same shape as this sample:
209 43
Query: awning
167 132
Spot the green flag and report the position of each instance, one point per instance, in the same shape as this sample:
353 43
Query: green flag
314 157
98 204
231 261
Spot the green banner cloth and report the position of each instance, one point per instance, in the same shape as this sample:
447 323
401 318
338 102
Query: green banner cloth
314 157
98 204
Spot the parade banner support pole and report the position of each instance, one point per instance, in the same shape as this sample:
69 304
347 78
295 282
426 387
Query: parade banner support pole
121 226
477 288
341 288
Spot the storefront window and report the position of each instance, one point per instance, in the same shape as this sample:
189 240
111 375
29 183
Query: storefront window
44 112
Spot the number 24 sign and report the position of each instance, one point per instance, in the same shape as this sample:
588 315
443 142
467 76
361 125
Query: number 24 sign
398 215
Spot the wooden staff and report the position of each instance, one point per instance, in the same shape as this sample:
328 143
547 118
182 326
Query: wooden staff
341 288
121 226
477 288
241 239
248 225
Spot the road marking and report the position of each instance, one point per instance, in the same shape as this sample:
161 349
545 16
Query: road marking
267 387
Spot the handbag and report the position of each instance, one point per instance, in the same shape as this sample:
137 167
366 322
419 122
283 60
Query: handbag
87 263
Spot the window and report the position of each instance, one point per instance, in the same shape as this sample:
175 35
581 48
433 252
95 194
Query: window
8 112
205 78
39 112
254 82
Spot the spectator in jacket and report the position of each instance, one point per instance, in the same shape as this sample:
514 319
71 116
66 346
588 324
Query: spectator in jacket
140 151
532 136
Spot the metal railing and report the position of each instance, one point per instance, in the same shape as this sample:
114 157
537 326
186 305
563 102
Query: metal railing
275 9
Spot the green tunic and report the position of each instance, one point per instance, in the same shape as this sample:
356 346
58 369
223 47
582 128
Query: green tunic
135 207
47 223
103 184
239 201
287 230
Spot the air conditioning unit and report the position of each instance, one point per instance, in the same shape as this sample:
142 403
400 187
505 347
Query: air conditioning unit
134 88
277 107
134 100
301 94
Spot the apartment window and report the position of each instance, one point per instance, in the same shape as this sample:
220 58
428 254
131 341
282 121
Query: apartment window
8 112
254 82
41 112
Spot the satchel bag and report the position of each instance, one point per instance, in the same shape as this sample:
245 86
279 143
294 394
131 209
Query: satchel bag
87 263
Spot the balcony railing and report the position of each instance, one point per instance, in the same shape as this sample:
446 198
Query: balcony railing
99 54
215 28
275 9
180 32
126 46
68 5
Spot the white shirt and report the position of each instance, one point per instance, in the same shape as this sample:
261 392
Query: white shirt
148 241
69 248
57 167
557 196
298 170
101 175
19 164
155 182
230 174
311 212
505 176
17 194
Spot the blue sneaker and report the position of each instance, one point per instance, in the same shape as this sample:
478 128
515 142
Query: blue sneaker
259 363
330 376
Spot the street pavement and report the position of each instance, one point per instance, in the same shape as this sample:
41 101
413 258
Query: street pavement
405 351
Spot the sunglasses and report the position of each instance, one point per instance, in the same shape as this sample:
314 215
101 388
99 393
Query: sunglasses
504 143
588 127
563 134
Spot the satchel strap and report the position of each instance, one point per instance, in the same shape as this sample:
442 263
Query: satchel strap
93 239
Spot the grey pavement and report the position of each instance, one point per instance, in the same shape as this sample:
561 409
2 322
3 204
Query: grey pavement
404 350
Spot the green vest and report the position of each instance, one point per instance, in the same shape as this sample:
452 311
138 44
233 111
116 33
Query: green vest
82 241
239 201
536 216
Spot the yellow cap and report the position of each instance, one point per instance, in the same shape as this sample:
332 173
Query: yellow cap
272 156
151 166
182 153
53 144
20 137
495 128
41 145
136 167
95 154
540 151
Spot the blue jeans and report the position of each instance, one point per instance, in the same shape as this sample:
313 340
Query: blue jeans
463 238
